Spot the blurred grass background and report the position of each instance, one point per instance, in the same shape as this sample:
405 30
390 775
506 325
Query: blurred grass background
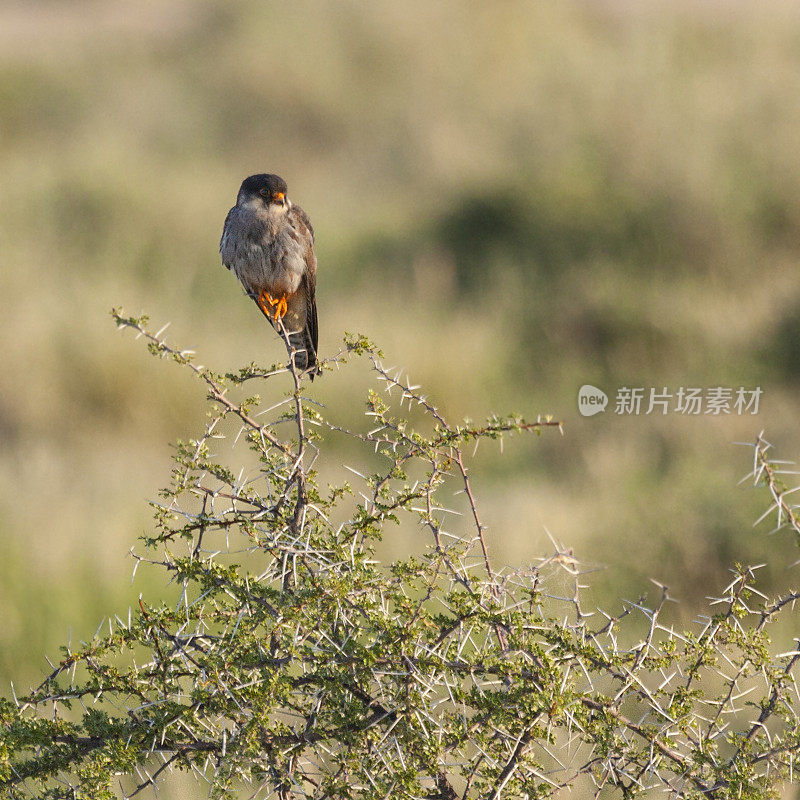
513 199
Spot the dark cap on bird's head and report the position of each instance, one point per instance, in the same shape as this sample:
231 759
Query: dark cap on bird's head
270 188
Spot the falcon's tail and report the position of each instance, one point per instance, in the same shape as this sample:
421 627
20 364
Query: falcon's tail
301 342
305 357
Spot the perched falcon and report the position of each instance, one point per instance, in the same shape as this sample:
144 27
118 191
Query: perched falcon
268 242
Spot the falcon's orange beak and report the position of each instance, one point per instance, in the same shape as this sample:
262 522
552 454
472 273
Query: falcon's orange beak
279 197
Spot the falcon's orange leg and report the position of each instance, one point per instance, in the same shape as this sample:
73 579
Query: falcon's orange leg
265 297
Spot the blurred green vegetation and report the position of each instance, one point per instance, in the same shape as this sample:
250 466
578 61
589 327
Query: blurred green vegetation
512 199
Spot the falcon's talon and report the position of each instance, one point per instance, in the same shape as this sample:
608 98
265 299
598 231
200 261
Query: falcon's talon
265 297
280 311
261 304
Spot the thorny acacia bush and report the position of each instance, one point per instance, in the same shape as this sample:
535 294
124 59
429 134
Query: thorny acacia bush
293 662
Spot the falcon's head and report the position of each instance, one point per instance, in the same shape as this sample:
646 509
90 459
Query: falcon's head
263 191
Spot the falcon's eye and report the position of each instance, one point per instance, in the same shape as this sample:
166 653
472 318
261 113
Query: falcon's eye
264 192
